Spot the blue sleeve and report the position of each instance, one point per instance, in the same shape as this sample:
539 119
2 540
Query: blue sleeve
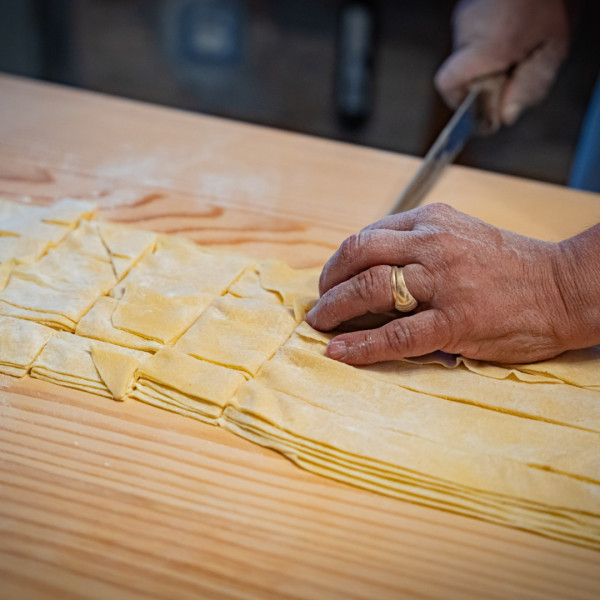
585 171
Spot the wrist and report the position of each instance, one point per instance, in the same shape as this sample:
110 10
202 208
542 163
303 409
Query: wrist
577 276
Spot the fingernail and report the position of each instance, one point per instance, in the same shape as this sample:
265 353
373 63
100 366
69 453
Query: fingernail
511 112
337 349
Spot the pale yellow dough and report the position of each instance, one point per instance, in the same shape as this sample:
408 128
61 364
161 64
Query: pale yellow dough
154 316
97 324
69 360
238 332
248 286
28 231
178 267
169 289
20 343
65 282
126 246
116 369
173 380
290 284
552 402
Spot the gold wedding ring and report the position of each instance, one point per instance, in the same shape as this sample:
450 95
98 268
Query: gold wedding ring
403 299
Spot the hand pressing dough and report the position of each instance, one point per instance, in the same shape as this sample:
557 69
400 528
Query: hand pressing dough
238 332
513 444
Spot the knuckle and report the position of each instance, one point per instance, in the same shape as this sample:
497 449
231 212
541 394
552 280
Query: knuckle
398 337
365 347
364 286
368 284
352 245
348 249
420 282
440 210
329 305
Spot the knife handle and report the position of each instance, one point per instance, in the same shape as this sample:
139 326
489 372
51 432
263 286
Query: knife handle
487 106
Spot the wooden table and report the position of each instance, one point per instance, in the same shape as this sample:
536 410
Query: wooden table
100 499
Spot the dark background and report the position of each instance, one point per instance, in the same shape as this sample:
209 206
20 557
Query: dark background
279 69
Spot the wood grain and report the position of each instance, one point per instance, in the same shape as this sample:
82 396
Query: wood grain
100 499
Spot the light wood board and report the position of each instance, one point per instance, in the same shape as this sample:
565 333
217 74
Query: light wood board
101 499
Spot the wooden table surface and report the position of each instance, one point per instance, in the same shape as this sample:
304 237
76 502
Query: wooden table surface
100 499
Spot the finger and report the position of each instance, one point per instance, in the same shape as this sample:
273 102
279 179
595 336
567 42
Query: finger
415 335
368 249
462 67
368 292
532 79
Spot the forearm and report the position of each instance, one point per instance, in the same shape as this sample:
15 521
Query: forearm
579 283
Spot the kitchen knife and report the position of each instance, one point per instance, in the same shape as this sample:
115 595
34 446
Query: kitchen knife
479 114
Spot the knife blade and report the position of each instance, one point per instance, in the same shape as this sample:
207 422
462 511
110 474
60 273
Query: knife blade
478 114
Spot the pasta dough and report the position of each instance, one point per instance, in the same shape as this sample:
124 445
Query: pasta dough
26 231
97 323
170 288
290 284
238 332
215 336
175 381
70 360
21 342
60 287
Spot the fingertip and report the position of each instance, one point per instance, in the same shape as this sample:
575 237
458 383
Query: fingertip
357 348
337 349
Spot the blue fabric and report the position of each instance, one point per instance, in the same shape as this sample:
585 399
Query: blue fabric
585 171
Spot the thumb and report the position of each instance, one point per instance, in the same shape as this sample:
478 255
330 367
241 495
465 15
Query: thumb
418 334
532 79
461 68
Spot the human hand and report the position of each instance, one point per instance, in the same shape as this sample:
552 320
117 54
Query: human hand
531 37
483 292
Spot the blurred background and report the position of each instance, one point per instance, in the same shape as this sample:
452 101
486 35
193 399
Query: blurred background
353 70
